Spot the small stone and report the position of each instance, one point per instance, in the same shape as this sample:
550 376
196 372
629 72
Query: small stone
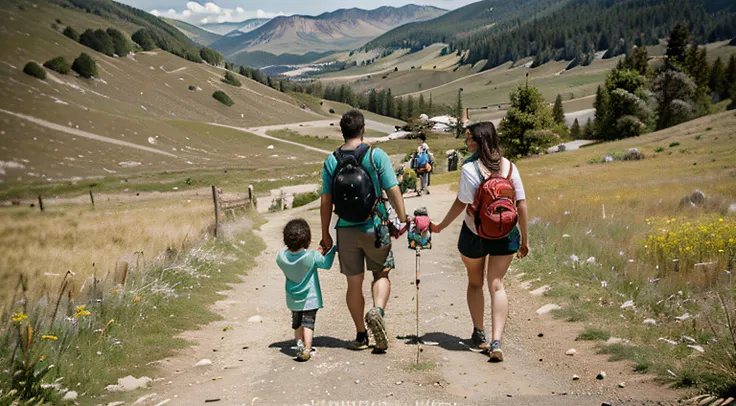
540 335
575 377
650 322
203 363
614 340
399 382
357 381
571 352
548 308
601 375
255 319
71 395
540 291
622 385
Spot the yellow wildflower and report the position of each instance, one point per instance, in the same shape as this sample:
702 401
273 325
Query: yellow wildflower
721 220
19 317
81 311
49 337
43 357
136 299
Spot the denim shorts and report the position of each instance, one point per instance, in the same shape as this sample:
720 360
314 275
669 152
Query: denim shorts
474 246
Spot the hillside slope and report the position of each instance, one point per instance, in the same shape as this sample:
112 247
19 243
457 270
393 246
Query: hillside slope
196 34
339 30
230 29
143 99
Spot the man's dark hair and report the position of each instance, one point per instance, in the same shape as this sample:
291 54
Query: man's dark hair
297 235
352 124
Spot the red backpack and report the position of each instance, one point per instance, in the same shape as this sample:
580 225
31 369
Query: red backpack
494 208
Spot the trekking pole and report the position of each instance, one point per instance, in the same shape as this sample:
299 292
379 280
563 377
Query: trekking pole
416 282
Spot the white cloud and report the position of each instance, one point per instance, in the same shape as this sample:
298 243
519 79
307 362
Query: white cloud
197 13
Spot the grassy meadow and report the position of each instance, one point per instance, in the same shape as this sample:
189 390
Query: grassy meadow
624 255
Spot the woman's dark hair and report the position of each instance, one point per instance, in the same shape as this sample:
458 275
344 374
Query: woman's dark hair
297 234
489 146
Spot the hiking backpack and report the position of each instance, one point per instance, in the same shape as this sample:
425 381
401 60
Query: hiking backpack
353 192
422 159
494 208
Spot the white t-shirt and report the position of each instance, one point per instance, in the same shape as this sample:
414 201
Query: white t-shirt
470 182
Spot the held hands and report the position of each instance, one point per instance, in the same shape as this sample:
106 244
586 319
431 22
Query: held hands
325 244
434 228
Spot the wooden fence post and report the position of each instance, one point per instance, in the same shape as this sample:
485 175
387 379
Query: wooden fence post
92 198
121 273
251 196
40 202
217 210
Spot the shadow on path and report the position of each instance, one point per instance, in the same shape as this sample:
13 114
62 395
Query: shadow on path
285 347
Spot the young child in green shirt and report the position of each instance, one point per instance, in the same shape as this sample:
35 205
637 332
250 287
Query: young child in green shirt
303 293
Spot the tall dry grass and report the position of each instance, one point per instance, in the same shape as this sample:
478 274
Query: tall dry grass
90 241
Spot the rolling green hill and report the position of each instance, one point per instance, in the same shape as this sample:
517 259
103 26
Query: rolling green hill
138 115
196 34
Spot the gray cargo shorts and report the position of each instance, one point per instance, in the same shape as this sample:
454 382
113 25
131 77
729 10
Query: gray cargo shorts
357 252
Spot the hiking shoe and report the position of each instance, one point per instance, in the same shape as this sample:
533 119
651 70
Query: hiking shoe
374 321
360 342
299 346
496 354
480 342
304 355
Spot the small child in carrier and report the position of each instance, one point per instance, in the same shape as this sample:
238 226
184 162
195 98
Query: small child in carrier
303 293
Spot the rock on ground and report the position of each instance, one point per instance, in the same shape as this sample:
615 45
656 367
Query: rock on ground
548 308
129 383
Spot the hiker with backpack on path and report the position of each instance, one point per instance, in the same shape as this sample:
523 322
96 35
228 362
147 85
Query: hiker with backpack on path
422 165
495 228
353 181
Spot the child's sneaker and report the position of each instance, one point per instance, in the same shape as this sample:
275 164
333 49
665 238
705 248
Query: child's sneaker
496 354
299 346
360 342
480 342
374 320
304 355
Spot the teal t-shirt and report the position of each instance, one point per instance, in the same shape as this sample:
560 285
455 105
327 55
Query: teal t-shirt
302 279
382 175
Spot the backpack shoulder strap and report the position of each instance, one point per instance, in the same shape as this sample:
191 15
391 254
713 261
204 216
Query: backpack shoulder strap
511 171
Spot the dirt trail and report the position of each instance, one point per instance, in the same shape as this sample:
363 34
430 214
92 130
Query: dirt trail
252 362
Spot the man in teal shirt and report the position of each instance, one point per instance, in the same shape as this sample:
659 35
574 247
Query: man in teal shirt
358 245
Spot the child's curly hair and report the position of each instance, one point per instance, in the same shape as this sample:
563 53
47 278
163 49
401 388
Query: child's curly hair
297 235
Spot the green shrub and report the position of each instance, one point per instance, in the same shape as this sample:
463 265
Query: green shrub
223 98
674 144
119 42
304 199
332 111
231 80
59 65
70 32
659 149
408 181
35 70
144 39
211 56
594 334
98 40
85 66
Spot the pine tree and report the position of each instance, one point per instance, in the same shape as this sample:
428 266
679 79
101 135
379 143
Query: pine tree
677 45
558 112
589 130
430 104
399 108
459 114
372 103
575 130
717 81
381 102
731 79
526 127
410 109
637 60
600 105
675 92
390 108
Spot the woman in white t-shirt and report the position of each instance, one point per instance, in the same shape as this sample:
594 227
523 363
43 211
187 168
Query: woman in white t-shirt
478 253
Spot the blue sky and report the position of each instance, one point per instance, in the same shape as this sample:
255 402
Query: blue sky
203 11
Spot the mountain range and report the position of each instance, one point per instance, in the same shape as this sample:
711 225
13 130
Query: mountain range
344 29
237 28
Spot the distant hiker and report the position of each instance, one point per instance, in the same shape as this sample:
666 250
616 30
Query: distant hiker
353 181
495 228
422 165
303 293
